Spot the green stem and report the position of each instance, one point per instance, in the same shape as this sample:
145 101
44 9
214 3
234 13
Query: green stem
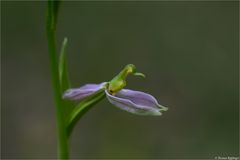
51 27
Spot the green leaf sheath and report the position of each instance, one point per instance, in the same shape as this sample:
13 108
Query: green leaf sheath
64 78
51 28
63 73
82 108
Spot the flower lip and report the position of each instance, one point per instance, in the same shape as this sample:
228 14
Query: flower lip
136 102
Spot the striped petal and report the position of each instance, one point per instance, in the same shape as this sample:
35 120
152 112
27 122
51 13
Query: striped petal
136 102
83 92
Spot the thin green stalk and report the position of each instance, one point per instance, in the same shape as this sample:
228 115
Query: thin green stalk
51 27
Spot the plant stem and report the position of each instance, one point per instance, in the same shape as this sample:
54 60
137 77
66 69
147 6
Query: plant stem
51 28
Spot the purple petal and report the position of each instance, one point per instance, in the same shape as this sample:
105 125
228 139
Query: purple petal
136 102
82 92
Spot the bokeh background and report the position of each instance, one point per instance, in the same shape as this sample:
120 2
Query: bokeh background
188 51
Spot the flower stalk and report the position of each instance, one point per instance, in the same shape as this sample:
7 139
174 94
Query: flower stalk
51 29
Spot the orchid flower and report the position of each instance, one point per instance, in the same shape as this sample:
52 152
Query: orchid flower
135 102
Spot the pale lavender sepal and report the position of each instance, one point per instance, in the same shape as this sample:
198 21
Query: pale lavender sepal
83 92
136 102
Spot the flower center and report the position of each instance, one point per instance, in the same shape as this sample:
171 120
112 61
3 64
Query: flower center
119 81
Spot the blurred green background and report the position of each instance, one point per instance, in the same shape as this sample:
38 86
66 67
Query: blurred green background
188 51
